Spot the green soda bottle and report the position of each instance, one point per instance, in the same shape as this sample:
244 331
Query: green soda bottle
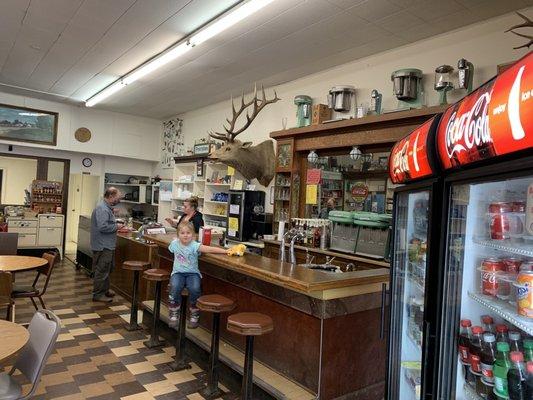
501 367
528 350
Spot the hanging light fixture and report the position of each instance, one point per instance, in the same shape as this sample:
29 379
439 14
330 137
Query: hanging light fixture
312 157
355 153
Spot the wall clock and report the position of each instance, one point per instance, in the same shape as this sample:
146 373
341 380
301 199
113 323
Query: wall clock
87 162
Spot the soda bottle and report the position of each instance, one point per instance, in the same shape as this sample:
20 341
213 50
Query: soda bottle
475 350
501 333
501 366
488 323
515 341
488 357
529 380
528 349
516 377
464 340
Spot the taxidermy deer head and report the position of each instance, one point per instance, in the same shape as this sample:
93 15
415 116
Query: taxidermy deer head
526 24
251 161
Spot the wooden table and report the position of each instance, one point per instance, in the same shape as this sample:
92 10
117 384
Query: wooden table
14 337
20 263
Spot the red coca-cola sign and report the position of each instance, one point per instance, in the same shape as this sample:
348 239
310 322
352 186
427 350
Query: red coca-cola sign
410 157
494 120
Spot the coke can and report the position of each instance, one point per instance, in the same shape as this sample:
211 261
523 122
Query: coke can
500 226
489 269
524 294
512 265
206 237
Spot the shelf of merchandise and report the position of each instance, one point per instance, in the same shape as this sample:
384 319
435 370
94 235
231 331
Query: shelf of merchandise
218 184
504 310
220 228
126 184
470 393
214 215
216 202
504 245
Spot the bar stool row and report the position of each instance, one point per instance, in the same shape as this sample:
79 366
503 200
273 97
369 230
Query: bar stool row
248 324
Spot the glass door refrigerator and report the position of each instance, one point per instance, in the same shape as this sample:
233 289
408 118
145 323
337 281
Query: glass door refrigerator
417 204
485 147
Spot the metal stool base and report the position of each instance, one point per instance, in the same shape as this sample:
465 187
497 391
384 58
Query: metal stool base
152 344
179 365
210 395
132 327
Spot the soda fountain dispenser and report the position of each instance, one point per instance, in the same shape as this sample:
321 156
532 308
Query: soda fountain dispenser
341 100
466 74
443 82
407 87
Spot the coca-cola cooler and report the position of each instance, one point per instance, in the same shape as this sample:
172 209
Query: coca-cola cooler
414 258
485 148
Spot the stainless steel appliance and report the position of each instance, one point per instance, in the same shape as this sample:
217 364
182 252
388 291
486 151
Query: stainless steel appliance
341 100
443 82
343 232
84 254
466 74
407 87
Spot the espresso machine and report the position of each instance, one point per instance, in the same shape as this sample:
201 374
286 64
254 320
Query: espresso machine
341 100
303 110
407 87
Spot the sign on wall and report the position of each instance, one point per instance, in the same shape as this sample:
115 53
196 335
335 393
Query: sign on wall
172 143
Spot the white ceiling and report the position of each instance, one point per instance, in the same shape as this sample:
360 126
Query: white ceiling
71 49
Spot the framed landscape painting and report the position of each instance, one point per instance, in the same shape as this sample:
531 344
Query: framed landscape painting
28 125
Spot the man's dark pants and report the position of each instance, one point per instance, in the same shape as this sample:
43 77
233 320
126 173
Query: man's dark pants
103 264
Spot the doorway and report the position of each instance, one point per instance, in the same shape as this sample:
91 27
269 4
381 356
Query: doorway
84 193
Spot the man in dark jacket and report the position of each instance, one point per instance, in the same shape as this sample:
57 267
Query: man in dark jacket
103 242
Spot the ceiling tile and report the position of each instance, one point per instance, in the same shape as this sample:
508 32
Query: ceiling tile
400 21
373 10
431 10
345 4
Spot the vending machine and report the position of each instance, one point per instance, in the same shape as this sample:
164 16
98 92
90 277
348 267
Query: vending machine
414 258
485 148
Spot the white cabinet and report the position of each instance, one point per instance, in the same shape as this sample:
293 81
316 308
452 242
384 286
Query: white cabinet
45 230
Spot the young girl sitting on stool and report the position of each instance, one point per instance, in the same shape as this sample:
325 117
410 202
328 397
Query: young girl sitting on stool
185 272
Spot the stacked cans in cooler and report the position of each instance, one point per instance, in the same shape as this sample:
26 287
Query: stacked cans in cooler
493 359
509 279
507 220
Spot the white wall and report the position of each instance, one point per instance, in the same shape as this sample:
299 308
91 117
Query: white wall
113 133
18 174
484 44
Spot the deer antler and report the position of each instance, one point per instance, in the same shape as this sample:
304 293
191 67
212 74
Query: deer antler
258 105
527 23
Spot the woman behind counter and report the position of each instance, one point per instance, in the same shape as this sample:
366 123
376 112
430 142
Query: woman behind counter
190 214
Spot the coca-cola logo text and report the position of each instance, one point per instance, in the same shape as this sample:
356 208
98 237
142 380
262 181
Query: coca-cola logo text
400 160
470 129
488 277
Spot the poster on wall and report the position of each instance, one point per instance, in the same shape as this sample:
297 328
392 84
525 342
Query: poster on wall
165 191
172 143
23 124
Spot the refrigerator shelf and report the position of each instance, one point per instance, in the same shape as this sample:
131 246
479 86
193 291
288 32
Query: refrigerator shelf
414 343
504 310
505 246
470 393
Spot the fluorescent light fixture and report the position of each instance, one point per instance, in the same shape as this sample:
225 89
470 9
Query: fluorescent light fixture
157 62
228 20
104 94
204 34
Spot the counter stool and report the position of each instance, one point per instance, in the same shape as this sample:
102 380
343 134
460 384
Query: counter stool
158 276
215 304
136 267
249 324
180 361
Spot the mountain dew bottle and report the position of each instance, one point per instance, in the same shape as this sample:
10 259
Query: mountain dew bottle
501 367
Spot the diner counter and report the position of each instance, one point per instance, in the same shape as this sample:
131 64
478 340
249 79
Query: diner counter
328 328
311 282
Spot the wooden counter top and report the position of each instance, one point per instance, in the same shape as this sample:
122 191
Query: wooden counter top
284 274
129 236
348 256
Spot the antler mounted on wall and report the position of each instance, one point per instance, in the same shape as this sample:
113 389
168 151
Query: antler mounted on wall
251 161
526 24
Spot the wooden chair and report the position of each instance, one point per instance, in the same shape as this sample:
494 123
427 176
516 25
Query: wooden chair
6 287
32 291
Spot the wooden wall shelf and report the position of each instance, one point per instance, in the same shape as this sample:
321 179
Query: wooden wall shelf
370 130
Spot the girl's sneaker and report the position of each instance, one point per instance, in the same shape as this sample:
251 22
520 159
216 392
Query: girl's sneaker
194 318
173 314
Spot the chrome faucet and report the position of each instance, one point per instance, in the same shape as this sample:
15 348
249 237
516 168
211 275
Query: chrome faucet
298 235
282 249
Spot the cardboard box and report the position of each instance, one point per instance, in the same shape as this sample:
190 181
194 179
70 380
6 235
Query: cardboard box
321 113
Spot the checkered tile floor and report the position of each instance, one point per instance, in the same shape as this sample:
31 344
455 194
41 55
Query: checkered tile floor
95 357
